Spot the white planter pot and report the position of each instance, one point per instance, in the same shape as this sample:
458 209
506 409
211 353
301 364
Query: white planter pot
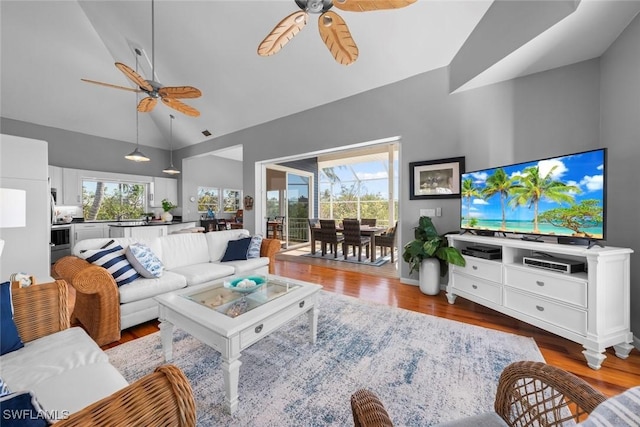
166 217
430 276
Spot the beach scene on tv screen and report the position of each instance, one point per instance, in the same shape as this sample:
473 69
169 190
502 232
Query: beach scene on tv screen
561 196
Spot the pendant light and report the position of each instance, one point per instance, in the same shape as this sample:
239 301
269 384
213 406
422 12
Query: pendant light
136 155
171 170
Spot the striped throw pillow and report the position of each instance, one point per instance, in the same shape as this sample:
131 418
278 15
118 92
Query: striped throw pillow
112 257
622 410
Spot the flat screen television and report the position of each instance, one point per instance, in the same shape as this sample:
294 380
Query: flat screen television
560 196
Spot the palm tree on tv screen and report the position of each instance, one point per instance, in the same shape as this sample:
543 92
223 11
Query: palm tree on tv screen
500 183
533 187
468 191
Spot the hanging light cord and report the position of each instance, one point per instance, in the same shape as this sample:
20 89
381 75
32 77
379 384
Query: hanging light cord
153 43
137 144
171 137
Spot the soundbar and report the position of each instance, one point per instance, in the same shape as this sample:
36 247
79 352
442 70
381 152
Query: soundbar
567 266
480 254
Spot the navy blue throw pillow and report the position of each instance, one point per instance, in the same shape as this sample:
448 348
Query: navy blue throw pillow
9 338
22 410
237 249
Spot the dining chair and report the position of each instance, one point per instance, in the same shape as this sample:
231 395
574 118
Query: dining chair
387 240
329 235
352 237
222 224
370 222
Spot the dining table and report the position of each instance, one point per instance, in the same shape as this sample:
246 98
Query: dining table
365 230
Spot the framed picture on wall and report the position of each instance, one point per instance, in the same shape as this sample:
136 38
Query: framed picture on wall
435 179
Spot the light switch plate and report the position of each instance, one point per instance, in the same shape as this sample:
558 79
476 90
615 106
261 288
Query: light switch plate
428 212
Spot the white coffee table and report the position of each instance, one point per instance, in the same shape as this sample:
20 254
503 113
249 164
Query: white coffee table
203 314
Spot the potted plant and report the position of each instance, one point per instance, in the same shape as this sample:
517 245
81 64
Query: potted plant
166 207
430 254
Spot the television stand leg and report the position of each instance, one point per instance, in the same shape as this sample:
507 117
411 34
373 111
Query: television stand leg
593 243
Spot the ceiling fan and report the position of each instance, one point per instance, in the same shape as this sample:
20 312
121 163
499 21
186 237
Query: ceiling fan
333 29
170 95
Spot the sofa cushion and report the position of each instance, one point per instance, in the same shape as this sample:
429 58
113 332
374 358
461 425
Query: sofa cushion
142 258
254 247
204 272
179 250
217 242
113 259
146 288
22 409
49 356
4 390
244 266
9 338
236 250
75 389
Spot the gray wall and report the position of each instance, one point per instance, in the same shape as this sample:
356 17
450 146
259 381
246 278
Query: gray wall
554 112
81 151
620 133
210 171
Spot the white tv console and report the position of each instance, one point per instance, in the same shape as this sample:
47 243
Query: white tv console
591 308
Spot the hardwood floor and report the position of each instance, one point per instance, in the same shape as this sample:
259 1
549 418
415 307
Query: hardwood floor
615 376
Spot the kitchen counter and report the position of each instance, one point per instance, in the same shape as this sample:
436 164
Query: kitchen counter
141 229
147 224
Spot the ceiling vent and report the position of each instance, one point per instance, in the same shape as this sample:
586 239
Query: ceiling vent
206 133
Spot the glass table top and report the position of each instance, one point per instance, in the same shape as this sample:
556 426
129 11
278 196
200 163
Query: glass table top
223 299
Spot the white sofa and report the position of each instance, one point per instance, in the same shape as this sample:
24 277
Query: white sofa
189 259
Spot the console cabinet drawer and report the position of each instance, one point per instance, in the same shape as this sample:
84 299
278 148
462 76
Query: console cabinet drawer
484 269
477 287
573 291
572 319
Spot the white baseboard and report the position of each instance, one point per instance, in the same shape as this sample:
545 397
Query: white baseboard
413 282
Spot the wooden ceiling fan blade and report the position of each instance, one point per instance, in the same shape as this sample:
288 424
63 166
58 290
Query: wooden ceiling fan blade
181 92
335 34
282 33
369 5
181 106
134 77
146 104
112 86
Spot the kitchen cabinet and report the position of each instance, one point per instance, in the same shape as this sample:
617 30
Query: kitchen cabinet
92 230
590 307
163 188
55 180
71 187
139 232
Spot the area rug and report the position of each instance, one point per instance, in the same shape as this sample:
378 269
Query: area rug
350 258
425 369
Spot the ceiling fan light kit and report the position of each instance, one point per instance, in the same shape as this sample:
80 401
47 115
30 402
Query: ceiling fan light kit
333 29
169 95
171 170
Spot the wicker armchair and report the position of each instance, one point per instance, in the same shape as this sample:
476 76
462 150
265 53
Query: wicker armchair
162 398
528 394
97 305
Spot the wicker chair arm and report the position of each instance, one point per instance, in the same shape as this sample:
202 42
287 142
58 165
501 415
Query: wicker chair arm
269 248
368 410
40 310
67 267
534 393
162 398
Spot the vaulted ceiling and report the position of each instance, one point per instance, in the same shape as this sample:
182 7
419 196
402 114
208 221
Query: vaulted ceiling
48 46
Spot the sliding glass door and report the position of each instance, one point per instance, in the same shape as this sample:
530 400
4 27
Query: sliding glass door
298 208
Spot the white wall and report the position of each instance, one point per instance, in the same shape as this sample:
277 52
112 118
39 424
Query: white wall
23 165
620 133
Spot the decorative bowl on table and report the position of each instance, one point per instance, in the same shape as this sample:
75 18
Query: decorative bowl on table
246 284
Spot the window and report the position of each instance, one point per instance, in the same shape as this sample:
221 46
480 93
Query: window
109 200
231 200
208 198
